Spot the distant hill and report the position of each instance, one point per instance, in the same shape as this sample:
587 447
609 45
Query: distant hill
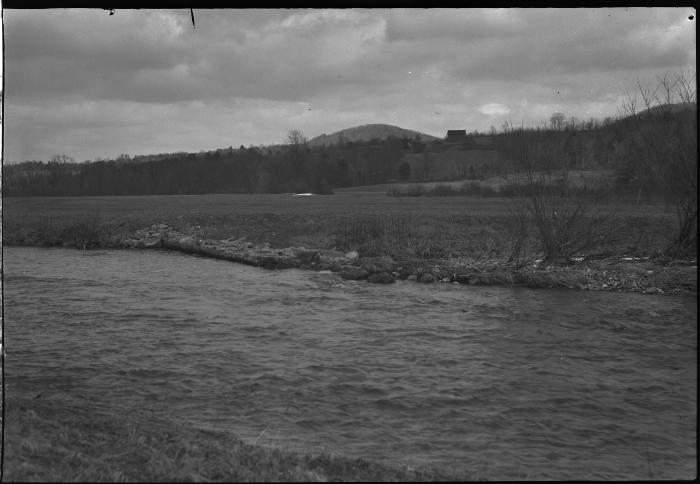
368 132
672 108
664 108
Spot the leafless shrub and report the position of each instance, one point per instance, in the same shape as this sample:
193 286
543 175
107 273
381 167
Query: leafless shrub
565 221
520 235
662 150
444 190
395 234
87 231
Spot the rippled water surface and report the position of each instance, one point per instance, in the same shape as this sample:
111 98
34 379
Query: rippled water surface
504 383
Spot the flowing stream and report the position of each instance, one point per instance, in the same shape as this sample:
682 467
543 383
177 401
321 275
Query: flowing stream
503 383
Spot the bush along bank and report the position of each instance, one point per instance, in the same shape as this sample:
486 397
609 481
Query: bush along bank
619 274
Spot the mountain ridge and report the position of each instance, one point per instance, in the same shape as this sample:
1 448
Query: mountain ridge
367 132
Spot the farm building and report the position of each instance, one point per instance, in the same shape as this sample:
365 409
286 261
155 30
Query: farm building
456 135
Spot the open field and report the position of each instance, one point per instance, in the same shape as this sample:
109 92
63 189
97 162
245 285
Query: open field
439 227
578 178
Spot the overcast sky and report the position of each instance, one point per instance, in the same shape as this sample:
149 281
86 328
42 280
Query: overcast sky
88 84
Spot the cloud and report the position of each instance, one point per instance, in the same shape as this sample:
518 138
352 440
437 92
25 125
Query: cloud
247 76
442 25
580 41
129 40
493 109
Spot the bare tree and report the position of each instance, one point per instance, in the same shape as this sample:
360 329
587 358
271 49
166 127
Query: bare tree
662 148
60 159
557 121
565 222
296 138
297 144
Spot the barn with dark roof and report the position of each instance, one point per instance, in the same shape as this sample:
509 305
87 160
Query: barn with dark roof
456 135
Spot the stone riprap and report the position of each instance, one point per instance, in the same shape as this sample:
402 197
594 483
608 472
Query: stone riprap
620 274
349 265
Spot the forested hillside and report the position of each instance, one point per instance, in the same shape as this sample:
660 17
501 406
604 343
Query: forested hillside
369 132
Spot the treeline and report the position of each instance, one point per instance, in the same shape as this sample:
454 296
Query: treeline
652 151
646 150
638 146
286 168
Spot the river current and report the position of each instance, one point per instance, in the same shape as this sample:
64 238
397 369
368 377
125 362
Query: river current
503 383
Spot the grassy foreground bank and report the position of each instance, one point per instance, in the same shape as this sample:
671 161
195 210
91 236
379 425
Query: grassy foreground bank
59 441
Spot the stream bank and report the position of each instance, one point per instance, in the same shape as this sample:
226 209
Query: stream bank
618 274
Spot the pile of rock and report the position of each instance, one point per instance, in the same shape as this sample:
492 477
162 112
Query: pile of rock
236 250
151 237
350 266
616 276
378 270
241 251
426 272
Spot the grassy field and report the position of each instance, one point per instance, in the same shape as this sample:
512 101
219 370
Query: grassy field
60 441
577 177
430 227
